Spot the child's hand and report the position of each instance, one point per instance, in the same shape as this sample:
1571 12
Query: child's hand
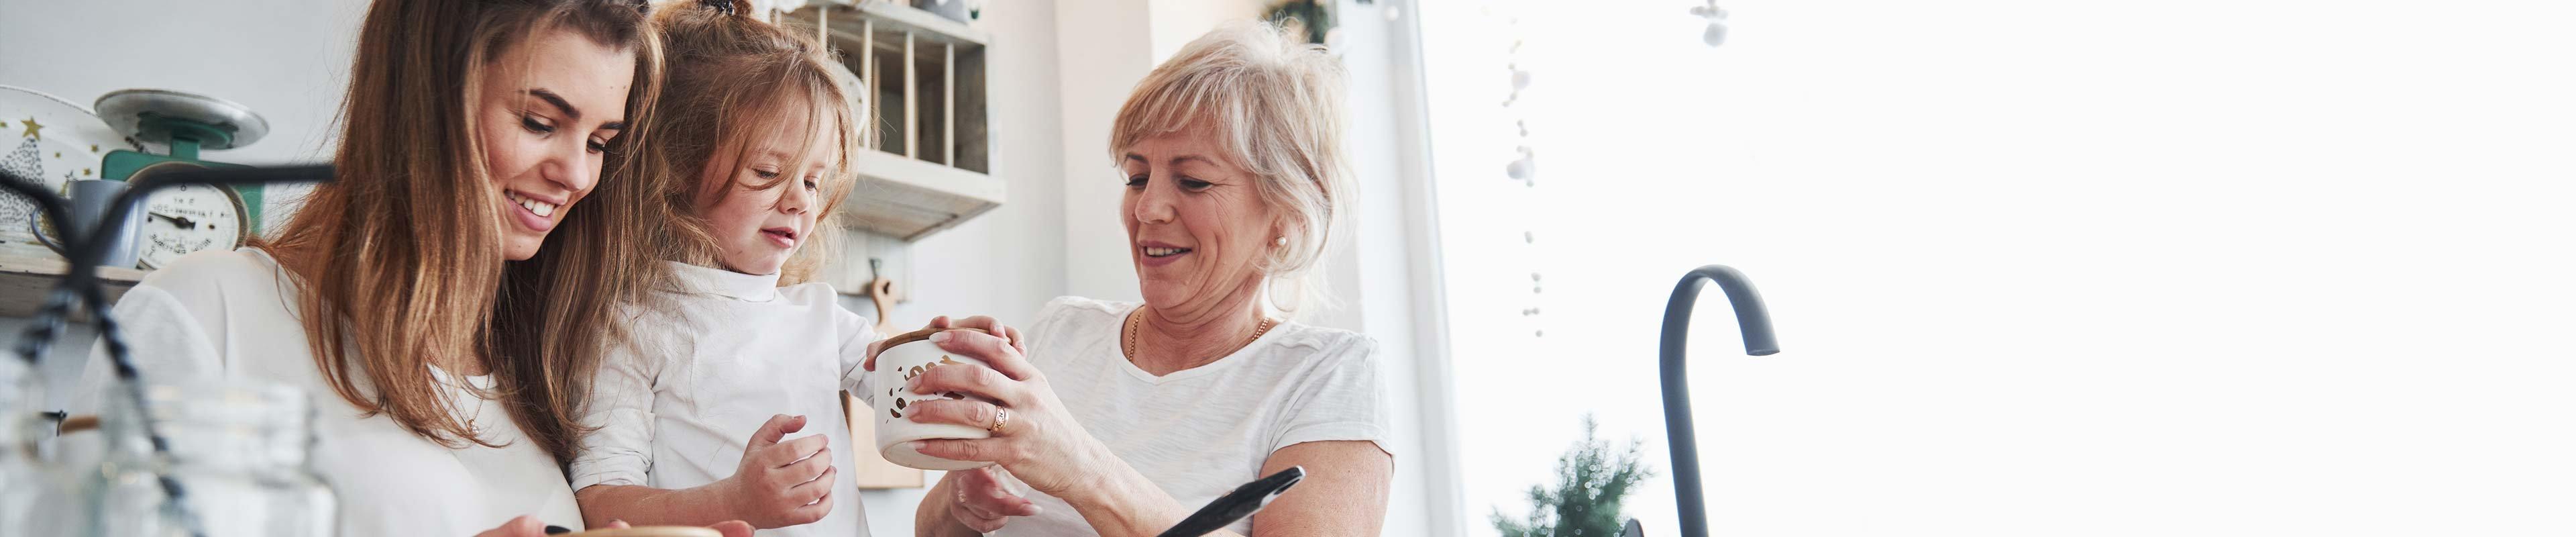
942 322
780 484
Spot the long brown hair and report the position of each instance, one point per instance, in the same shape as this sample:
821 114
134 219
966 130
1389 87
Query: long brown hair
399 261
729 74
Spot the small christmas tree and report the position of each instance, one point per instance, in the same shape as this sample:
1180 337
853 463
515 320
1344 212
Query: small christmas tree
22 164
1591 482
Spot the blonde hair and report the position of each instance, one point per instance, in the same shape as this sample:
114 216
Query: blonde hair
729 73
1275 104
398 262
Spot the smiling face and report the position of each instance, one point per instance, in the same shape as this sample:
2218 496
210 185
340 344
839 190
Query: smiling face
549 106
760 207
1196 225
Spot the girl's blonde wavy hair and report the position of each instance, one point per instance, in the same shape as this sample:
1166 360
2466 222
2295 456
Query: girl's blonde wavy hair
728 75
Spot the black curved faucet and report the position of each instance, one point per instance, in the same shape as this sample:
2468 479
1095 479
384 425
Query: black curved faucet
1755 322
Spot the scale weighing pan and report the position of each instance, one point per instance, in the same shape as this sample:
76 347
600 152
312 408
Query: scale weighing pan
145 114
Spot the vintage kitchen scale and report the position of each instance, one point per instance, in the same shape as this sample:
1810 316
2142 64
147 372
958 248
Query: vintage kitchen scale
62 143
185 218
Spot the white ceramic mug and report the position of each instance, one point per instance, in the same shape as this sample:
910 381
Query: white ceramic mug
89 202
907 356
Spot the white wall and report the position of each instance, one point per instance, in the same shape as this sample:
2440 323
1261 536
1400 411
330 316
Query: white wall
1177 22
1101 51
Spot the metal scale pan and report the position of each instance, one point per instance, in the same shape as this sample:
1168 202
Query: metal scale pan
158 116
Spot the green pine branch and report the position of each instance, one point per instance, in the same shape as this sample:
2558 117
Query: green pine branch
1592 480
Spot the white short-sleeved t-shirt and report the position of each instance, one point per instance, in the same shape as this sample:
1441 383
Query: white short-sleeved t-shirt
234 315
1203 431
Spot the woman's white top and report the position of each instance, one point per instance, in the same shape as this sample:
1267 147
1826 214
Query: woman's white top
711 362
1203 431
234 314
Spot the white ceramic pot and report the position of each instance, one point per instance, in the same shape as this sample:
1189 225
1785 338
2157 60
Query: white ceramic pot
907 356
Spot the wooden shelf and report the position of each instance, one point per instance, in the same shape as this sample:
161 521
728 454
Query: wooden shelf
910 199
922 81
894 16
24 281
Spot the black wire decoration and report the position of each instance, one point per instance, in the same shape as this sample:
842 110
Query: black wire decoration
80 284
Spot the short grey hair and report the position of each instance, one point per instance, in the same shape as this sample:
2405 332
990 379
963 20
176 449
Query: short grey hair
1275 103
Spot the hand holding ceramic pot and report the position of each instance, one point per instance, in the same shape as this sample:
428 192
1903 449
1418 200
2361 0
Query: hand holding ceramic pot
979 322
892 363
1031 435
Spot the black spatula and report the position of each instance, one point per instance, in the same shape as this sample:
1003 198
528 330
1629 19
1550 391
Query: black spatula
1235 505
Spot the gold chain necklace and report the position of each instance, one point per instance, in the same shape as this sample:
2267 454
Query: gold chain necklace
1136 319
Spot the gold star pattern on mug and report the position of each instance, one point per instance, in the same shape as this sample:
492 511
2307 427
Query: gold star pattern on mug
34 130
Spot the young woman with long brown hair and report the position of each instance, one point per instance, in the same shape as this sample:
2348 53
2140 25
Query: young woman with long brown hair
445 301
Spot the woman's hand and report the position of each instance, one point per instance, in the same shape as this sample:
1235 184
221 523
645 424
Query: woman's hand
780 484
942 322
982 503
1039 443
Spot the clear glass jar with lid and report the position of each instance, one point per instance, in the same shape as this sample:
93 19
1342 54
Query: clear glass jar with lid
22 482
235 463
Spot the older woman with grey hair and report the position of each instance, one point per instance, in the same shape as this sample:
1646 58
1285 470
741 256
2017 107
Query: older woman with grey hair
1124 417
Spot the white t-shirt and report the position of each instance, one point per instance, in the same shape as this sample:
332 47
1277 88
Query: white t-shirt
1200 432
709 364
233 314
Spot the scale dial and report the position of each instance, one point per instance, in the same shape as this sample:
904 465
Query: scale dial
186 219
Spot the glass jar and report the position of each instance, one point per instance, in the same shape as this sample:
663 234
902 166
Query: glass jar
235 459
21 483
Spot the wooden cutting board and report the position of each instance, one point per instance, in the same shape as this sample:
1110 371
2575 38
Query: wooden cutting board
872 471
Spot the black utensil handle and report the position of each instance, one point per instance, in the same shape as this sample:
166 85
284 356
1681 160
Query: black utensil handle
1233 506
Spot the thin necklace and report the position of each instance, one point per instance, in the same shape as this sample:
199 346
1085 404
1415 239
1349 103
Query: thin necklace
1135 319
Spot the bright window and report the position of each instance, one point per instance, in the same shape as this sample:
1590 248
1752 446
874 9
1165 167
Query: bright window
2039 268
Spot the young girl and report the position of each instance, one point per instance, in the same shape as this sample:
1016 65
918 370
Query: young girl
725 404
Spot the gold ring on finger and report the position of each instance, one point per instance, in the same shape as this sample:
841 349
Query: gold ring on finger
1001 416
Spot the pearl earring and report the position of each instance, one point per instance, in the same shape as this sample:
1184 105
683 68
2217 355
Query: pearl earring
1282 241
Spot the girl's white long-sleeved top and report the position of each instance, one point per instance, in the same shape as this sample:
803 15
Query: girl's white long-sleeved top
708 364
